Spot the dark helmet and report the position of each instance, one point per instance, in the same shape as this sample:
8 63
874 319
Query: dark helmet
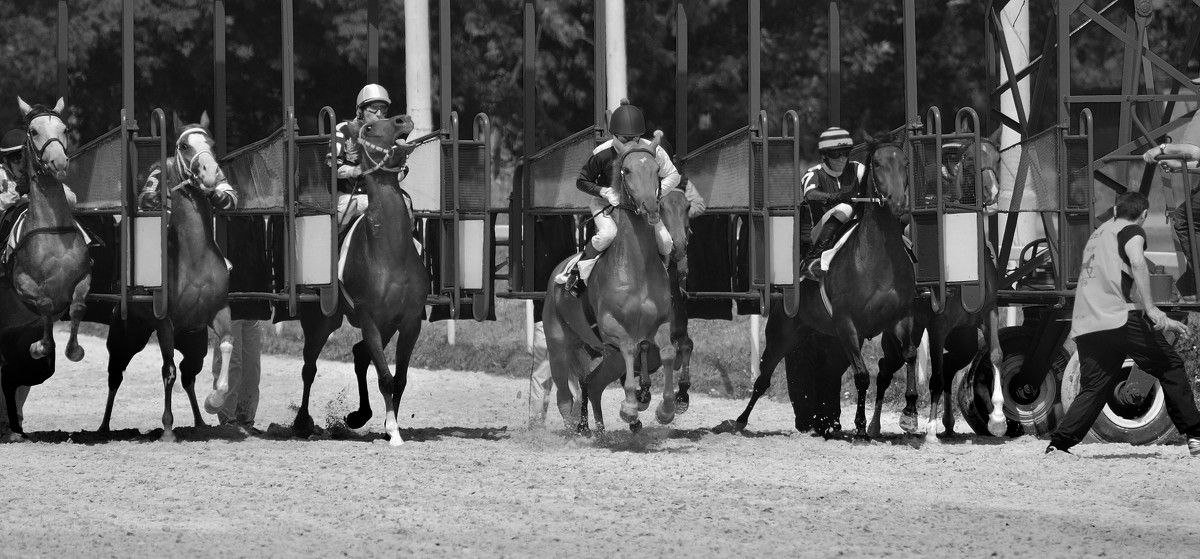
627 120
13 141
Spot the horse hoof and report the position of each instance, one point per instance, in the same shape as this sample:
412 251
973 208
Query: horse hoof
860 438
628 416
1015 429
168 436
396 440
909 422
635 426
213 403
357 418
681 403
37 350
75 354
664 417
729 426
643 398
998 428
302 426
15 437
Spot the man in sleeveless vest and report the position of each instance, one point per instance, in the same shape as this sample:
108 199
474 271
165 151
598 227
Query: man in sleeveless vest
1114 318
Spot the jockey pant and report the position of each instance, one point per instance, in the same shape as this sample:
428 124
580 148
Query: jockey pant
539 379
833 219
245 371
606 229
350 206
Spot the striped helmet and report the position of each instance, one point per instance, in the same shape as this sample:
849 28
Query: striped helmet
834 138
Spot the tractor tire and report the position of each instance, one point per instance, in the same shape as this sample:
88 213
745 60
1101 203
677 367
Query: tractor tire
1036 411
1143 424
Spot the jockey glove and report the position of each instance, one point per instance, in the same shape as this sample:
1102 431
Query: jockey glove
222 200
842 197
610 195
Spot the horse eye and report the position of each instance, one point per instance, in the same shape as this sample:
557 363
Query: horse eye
33 132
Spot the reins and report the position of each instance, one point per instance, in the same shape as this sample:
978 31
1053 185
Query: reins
389 152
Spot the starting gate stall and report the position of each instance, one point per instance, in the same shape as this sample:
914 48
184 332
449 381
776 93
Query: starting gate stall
1074 156
289 180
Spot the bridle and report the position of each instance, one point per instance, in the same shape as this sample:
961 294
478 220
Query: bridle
37 161
388 153
626 194
188 173
883 197
989 169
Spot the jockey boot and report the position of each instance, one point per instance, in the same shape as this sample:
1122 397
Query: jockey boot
574 285
811 266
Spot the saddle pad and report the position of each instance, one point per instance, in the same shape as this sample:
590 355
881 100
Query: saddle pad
18 233
343 250
561 279
827 256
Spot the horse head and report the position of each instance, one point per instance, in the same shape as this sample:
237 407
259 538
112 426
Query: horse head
887 174
636 175
988 162
194 159
46 138
383 145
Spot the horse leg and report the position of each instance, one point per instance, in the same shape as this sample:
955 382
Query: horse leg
222 325
889 362
125 339
683 366
630 406
362 360
643 370
665 413
13 403
78 308
937 381
44 346
961 346
847 336
166 346
405 342
194 346
317 328
997 423
782 336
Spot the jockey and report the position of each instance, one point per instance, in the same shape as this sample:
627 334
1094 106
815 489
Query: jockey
222 197
14 184
372 104
952 154
595 178
828 188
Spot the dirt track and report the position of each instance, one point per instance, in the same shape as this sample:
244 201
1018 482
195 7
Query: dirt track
472 481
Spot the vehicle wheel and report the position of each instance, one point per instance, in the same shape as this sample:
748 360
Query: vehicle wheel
1036 409
1132 415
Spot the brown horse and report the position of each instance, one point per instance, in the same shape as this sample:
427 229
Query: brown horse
385 282
197 280
868 289
674 207
49 271
956 334
628 299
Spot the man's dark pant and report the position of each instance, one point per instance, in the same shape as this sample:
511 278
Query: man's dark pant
1101 355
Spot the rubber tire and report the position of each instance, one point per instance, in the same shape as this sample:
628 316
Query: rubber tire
1038 418
974 410
1154 427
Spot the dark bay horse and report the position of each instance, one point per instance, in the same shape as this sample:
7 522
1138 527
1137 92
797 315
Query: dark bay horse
674 207
385 283
956 334
868 289
197 280
627 299
49 271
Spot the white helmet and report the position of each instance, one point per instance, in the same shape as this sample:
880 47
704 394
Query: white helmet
834 138
371 93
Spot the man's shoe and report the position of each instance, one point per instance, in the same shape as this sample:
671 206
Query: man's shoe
1056 452
1194 446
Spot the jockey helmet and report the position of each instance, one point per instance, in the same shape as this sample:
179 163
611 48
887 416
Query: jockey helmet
627 120
372 93
12 142
834 139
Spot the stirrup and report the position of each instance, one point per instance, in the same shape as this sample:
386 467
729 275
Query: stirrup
811 269
574 284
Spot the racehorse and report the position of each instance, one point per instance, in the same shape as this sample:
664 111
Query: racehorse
385 283
627 299
955 334
674 207
867 290
49 270
197 281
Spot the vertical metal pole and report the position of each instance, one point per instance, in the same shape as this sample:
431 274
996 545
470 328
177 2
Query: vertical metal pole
1063 22
681 78
444 59
910 62
521 237
372 41
755 57
127 61
63 55
835 63
601 92
289 173
220 128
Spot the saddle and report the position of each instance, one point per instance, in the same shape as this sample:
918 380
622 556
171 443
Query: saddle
814 265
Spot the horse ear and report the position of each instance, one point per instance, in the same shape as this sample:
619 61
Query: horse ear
204 120
25 108
995 136
60 105
658 136
178 124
